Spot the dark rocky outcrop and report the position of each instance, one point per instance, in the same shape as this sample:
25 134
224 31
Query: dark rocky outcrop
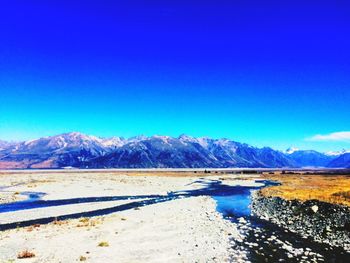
323 222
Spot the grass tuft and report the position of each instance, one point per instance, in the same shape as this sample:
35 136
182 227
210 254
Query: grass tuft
60 222
25 254
86 222
103 244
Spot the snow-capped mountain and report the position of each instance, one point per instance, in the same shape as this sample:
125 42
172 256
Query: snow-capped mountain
291 150
68 149
85 151
337 153
309 158
341 161
66 142
113 142
3 145
186 151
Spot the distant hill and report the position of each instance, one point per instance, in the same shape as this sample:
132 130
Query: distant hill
310 158
342 161
84 151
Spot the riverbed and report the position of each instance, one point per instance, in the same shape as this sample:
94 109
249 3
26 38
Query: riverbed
174 219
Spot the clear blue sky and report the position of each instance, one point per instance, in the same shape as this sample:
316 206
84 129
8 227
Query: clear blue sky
262 72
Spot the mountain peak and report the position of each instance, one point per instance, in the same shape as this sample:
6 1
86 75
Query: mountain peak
138 138
113 141
73 133
291 150
185 137
337 153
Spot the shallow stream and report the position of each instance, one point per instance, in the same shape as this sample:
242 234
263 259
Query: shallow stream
263 241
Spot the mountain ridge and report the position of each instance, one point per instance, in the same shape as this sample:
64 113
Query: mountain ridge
79 150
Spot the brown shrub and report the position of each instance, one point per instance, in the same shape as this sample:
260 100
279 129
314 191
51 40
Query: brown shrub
60 222
84 220
25 254
342 194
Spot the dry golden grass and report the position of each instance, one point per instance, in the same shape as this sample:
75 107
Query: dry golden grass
31 228
327 188
103 244
87 222
84 220
60 222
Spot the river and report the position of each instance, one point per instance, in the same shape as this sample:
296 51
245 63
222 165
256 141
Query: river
263 241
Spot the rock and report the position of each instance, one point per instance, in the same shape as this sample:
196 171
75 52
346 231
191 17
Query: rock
314 208
323 222
242 220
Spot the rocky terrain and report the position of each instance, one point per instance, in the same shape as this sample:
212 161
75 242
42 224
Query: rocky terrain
323 222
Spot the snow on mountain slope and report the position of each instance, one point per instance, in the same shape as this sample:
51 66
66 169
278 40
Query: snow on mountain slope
310 158
85 151
337 153
291 150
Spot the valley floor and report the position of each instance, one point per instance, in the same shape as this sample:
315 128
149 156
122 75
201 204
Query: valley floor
182 230
164 216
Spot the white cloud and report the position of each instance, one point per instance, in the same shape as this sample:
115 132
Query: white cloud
343 136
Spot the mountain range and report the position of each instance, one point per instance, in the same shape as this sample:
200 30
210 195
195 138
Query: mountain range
83 151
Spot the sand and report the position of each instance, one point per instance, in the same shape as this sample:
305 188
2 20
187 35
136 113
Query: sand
182 230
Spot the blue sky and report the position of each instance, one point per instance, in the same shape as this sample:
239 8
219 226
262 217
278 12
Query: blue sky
274 73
